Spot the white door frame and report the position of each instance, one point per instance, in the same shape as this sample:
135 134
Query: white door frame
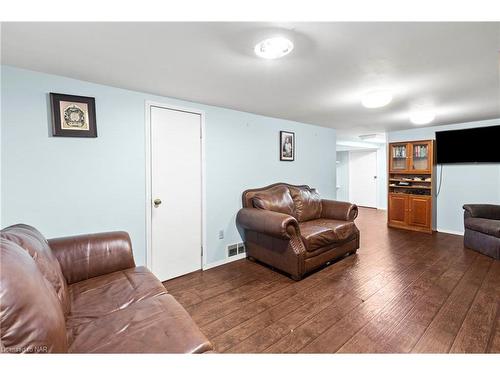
148 106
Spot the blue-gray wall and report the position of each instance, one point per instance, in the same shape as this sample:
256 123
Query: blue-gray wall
66 186
461 183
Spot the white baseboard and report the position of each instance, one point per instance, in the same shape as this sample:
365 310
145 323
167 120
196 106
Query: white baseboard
449 231
224 261
244 255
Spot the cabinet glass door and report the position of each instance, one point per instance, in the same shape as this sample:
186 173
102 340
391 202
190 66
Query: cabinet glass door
421 160
399 157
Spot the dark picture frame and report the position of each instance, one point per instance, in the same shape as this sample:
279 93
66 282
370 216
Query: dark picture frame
287 146
73 116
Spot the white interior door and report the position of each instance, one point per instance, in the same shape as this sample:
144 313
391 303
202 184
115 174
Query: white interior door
176 188
363 178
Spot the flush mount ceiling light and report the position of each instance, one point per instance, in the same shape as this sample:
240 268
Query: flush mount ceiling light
422 117
274 48
376 99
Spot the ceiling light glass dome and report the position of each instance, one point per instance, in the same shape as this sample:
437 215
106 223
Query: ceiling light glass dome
274 48
422 117
376 99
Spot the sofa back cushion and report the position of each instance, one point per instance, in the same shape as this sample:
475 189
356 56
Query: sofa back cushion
485 211
307 203
32 320
33 242
277 199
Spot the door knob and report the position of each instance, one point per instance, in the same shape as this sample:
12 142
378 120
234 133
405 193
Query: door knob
157 202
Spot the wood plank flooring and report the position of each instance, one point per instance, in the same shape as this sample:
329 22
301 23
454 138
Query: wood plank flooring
402 292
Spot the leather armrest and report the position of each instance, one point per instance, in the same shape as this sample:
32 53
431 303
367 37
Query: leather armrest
485 211
272 223
90 255
338 210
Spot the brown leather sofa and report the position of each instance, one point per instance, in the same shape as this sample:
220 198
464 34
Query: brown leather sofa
292 229
482 228
84 294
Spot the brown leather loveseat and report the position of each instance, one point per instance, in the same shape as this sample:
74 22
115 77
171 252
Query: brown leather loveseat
84 294
292 229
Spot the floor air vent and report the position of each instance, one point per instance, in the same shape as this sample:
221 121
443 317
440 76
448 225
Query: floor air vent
232 250
235 249
241 248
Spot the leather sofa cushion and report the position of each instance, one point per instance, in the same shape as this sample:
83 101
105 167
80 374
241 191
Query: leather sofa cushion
307 203
487 226
277 199
32 320
323 232
103 295
33 242
154 325
86 256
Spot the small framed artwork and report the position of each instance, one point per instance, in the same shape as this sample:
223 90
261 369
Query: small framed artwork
287 146
73 116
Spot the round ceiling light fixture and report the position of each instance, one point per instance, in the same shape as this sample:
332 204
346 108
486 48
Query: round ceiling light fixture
422 117
274 48
376 99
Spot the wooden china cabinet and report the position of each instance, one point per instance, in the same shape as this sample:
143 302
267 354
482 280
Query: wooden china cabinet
411 185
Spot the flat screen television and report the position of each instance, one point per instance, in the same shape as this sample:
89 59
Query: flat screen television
476 145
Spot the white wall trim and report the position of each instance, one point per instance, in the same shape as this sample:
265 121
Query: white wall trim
147 124
450 231
224 261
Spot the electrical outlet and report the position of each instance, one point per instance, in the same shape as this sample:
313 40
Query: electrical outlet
221 234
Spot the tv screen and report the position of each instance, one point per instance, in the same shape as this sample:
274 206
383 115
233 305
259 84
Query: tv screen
476 145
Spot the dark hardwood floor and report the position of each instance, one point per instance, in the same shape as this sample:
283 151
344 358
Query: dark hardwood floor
402 292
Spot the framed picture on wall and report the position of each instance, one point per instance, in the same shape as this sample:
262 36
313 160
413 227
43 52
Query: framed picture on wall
73 116
287 146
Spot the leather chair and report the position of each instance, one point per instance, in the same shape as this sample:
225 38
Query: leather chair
482 228
84 294
293 230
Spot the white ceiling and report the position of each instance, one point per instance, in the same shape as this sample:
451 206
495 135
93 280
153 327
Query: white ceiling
452 67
